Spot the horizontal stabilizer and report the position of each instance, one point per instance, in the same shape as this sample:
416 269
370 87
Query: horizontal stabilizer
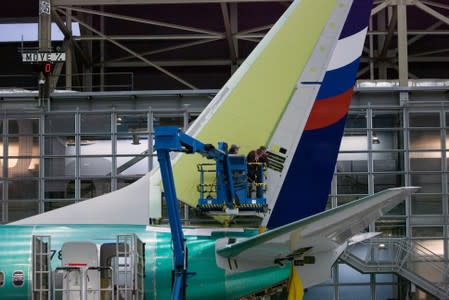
320 232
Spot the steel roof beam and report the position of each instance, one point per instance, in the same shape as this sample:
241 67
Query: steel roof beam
229 38
427 53
162 50
141 2
431 12
173 63
143 21
435 4
412 32
135 54
380 7
162 37
68 36
388 39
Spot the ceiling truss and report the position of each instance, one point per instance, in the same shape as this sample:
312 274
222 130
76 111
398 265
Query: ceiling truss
389 44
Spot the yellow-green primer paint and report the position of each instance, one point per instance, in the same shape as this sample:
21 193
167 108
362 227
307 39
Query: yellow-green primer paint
252 109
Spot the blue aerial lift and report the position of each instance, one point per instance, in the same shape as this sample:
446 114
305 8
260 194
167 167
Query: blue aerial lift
231 190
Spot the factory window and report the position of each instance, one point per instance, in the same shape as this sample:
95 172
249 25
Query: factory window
59 145
60 123
17 279
23 189
347 274
96 123
387 119
168 120
427 204
427 231
384 181
136 165
60 167
352 162
356 119
95 144
352 183
50 205
386 140
343 199
425 139
56 189
425 161
425 119
429 248
18 210
354 141
95 166
392 226
388 161
429 182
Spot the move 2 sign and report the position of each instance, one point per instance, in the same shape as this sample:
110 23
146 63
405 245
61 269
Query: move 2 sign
37 57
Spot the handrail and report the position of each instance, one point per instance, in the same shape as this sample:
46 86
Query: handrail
403 256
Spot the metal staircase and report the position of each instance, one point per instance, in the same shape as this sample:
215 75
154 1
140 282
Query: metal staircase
406 258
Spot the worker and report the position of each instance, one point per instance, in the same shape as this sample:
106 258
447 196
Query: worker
234 149
262 156
251 159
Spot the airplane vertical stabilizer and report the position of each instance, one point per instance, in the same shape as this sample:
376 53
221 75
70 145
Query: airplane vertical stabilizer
276 86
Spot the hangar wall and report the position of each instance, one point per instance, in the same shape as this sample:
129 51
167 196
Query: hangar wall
86 145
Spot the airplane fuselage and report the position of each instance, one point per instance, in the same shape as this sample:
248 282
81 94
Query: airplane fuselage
16 254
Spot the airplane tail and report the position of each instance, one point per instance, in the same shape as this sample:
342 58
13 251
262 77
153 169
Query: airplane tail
296 82
269 99
303 186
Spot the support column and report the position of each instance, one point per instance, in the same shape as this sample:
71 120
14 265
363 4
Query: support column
5 170
114 150
44 32
186 116
407 177
77 155
233 11
44 25
68 52
150 128
402 43
370 162
102 51
371 50
41 162
381 25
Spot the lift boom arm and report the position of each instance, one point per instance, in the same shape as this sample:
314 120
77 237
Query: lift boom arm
167 139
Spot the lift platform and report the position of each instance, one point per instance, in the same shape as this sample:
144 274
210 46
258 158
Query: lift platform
231 193
224 185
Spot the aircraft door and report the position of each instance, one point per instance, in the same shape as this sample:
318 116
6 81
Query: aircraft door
126 259
79 275
41 257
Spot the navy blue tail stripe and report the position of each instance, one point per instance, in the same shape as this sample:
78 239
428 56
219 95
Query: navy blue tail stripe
358 17
307 182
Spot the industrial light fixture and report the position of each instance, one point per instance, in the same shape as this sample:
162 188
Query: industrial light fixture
375 139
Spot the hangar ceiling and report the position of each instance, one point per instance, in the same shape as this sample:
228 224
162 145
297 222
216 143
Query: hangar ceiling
183 44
